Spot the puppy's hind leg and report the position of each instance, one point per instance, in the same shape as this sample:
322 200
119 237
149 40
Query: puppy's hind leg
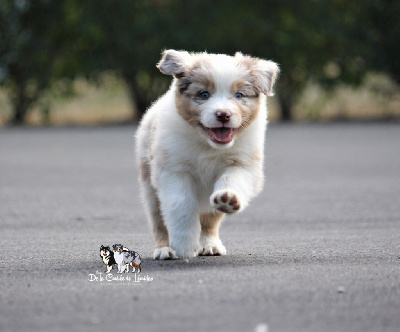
153 211
209 240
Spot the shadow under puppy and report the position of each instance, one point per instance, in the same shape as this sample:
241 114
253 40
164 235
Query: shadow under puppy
200 148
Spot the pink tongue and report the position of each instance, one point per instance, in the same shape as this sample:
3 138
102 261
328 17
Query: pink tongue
222 135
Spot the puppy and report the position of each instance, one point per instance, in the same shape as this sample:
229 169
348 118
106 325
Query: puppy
200 148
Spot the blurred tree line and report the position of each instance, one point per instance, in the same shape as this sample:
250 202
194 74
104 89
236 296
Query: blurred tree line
48 43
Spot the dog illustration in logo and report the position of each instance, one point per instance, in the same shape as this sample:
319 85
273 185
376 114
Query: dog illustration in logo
125 258
107 257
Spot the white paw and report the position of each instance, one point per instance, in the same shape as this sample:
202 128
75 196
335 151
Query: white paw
185 243
164 253
187 252
211 246
226 201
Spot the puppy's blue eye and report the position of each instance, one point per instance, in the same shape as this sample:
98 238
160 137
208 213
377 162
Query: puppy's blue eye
238 95
204 95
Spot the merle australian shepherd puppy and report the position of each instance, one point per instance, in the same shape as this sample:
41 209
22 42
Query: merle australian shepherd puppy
200 148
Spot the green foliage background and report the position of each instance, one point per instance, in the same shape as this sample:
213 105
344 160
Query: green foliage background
45 42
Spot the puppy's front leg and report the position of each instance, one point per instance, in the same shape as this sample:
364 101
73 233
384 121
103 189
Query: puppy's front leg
179 206
234 189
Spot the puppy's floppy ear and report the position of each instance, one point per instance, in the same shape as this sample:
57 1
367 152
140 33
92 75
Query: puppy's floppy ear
174 62
265 73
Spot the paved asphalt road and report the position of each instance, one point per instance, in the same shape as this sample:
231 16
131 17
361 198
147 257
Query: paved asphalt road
318 250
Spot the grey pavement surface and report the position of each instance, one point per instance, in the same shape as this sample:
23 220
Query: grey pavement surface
318 250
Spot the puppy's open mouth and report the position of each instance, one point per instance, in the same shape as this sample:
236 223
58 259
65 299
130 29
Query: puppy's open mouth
220 135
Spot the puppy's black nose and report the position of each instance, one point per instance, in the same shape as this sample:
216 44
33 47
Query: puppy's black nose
223 116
